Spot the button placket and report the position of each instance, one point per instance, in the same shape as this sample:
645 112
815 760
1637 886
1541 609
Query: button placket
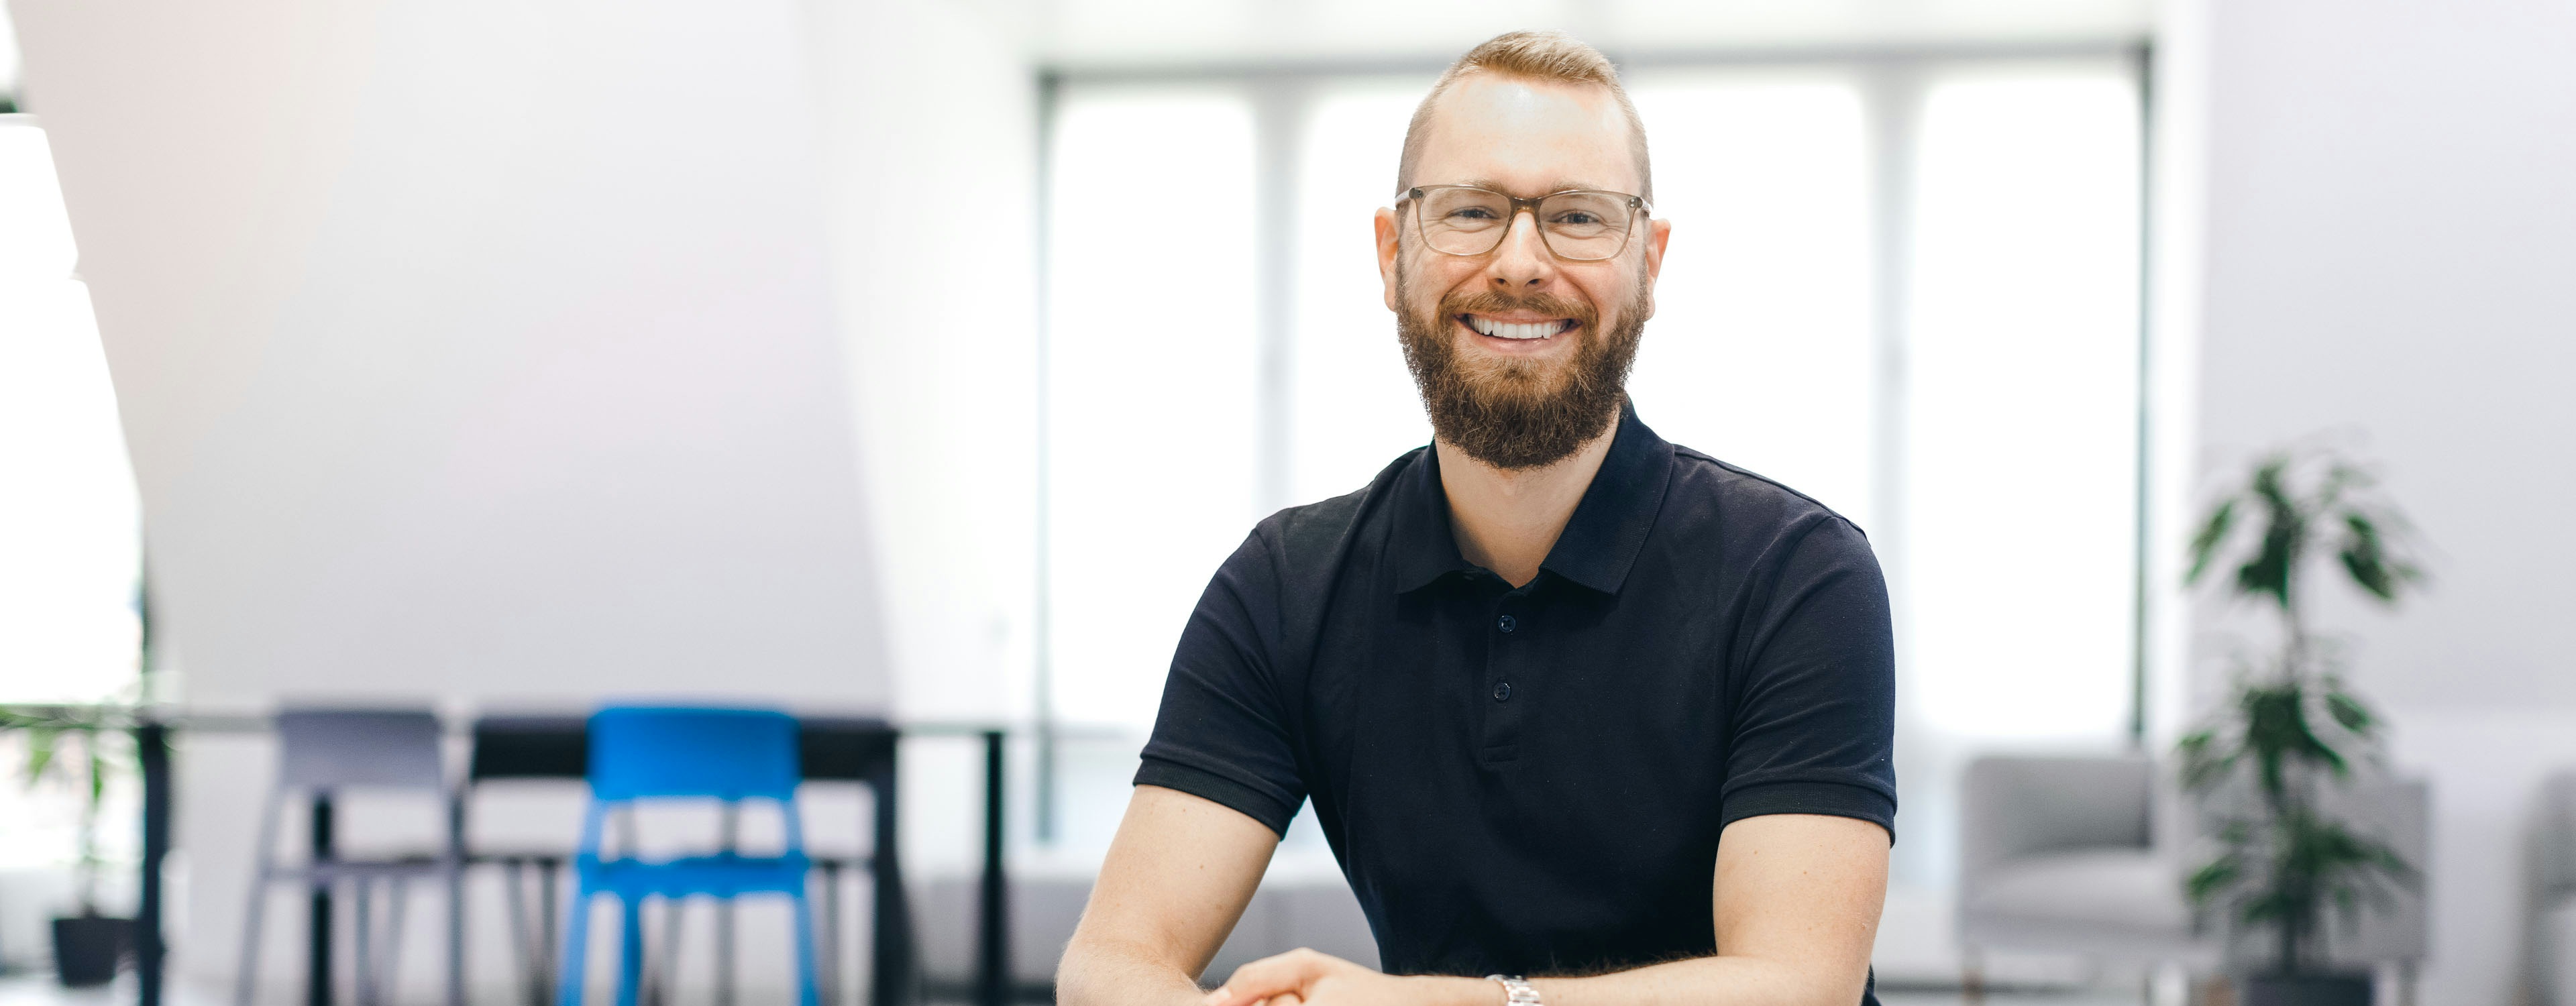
1507 644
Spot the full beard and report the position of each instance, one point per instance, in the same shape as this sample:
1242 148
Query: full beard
1517 414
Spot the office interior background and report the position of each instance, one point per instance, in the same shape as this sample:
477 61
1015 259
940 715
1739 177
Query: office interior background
922 359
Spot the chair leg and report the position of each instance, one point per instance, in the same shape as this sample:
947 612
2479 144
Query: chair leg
515 907
364 960
547 886
1972 977
630 963
576 951
806 992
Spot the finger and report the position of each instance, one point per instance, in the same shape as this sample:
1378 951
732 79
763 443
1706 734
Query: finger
1256 983
1287 1000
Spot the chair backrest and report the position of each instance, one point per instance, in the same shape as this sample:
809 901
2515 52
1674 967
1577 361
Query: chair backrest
728 754
333 748
2017 806
522 746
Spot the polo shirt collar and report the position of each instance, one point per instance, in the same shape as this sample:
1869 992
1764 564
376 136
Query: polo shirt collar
1599 543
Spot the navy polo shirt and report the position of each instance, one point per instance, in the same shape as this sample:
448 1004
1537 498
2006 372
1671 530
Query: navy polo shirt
1533 780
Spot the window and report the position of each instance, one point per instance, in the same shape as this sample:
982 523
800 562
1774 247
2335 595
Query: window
69 544
70 551
1760 351
1149 384
1908 289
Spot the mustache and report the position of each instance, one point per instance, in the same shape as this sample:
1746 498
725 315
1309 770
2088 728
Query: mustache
1488 302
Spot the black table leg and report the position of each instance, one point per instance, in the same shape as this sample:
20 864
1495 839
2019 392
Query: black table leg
317 968
152 751
891 934
993 929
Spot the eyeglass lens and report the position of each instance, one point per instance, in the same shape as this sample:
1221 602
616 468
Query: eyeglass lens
1575 225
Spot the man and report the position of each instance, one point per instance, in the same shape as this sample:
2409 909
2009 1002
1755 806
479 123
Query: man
1572 703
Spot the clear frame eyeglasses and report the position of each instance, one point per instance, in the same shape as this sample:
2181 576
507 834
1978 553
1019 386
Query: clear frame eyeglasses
1578 225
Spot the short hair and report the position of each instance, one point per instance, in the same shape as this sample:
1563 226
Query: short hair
1534 55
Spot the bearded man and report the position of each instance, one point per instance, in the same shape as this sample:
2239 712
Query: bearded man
1588 718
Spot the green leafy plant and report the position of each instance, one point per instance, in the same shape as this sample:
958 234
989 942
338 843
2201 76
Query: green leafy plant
77 741
2293 727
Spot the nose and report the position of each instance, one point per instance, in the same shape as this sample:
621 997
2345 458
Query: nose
1521 261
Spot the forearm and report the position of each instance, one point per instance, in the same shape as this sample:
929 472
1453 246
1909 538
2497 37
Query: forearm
1709 981
1108 972
1705 981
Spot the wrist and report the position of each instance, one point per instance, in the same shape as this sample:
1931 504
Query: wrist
1448 991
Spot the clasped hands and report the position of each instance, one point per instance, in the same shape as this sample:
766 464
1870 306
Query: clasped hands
1307 978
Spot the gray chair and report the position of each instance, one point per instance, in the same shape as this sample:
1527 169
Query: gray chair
328 751
2062 855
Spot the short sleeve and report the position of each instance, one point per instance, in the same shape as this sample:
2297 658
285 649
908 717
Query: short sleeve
1814 709
1223 733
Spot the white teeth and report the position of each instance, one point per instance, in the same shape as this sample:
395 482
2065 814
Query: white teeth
1500 330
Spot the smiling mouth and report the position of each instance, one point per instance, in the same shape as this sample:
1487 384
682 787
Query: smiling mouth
1516 330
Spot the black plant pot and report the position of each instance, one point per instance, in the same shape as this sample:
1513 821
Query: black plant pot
2303 990
88 948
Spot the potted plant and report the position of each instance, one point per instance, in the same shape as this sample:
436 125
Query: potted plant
72 740
2259 767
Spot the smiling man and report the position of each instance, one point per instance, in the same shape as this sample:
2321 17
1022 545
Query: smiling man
1588 718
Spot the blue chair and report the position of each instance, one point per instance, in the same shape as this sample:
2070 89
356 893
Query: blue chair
649 753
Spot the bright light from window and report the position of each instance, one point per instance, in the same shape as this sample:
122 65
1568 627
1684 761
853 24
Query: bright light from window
1355 407
69 547
2022 406
1759 353
1151 407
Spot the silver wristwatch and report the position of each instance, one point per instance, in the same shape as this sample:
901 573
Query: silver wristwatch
1515 991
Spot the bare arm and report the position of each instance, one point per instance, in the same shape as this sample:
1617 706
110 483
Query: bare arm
1796 902
1176 880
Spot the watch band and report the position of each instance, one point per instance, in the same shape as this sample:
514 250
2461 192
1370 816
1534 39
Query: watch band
1516 992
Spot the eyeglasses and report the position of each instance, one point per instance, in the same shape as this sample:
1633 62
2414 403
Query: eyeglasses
1578 225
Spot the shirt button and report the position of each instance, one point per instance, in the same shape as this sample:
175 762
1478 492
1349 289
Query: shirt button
1506 623
1503 689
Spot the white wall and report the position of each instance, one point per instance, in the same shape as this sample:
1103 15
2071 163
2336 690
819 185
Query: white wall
505 353
2391 237
479 350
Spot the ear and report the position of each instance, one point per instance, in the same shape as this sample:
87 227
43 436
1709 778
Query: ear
1659 232
1386 252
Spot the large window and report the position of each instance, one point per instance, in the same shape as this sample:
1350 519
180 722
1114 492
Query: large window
69 545
70 550
1906 288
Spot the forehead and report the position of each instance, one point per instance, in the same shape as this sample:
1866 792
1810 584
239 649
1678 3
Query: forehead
1527 136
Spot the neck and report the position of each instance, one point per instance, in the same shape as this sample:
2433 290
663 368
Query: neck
1507 520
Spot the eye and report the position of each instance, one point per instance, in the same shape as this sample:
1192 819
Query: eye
1472 213
1577 218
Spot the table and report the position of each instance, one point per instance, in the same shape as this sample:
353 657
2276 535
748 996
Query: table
834 748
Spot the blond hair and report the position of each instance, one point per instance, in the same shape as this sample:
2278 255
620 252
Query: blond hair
1534 55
